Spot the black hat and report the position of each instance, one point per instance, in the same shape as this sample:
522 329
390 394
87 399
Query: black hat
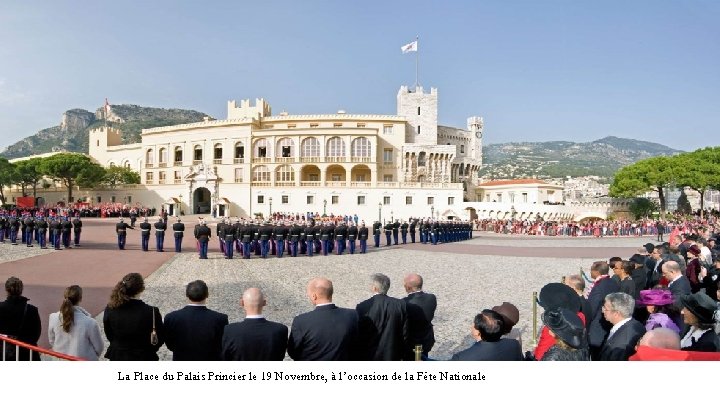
701 305
649 247
558 295
566 325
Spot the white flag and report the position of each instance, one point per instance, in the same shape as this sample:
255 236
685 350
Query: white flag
411 47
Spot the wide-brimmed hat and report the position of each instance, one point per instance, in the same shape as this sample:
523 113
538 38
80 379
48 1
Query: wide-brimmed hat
655 297
559 295
649 247
694 250
510 315
701 305
566 325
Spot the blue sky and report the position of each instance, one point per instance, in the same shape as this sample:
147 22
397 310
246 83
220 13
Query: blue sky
535 70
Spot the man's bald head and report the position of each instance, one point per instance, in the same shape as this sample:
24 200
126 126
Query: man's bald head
253 301
413 282
662 338
320 290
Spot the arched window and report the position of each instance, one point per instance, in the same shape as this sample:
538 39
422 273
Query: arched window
149 157
421 159
262 148
197 153
162 156
335 147
361 147
285 173
310 147
217 151
285 148
261 173
178 154
239 150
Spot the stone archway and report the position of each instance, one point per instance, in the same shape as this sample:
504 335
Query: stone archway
202 201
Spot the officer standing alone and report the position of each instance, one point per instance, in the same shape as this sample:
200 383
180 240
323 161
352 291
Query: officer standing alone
178 232
160 228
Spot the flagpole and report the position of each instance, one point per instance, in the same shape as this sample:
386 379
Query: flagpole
417 59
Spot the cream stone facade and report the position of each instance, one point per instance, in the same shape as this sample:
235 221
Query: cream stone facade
375 166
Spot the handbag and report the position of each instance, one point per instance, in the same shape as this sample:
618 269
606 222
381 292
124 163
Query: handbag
153 334
11 349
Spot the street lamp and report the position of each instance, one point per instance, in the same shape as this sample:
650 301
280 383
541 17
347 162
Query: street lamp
270 215
392 218
325 207
513 212
380 212
432 212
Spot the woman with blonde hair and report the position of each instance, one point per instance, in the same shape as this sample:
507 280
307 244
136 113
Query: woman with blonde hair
134 328
73 330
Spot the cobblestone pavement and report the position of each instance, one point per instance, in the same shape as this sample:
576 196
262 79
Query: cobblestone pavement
11 253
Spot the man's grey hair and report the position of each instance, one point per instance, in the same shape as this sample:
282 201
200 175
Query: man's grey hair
576 282
380 282
623 303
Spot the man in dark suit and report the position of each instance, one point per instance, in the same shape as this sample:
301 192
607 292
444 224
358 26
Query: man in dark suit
421 311
679 285
195 332
598 326
326 333
255 338
487 330
626 331
383 323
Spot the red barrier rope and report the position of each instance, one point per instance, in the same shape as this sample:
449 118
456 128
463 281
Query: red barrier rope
52 353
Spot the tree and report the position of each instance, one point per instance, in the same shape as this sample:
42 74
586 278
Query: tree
28 174
652 174
642 207
7 176
73 169
699 171
683 205
115 175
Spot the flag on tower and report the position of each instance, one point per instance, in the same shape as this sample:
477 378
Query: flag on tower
411 47
107 106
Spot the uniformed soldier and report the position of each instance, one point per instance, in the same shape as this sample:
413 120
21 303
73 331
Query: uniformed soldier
352 234
247 237
160 227
340 235
56 230
265 232
434 232
220 233
202 234
395 231
145 229
21 221
229 236
41 227
309 239
133 216
413 225
363 236
66 232
317 229
388 233
403 232
376 232
3 223
325 236
120 230
238 236
178 232
280 233
77 228
295 231
29 230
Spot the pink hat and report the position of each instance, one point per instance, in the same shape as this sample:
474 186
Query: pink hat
655 297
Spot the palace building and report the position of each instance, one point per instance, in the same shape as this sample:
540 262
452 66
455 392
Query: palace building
254 162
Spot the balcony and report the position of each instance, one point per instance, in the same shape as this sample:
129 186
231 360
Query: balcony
285 183
360 184
149 181
285 160
359 159
238 160
197 162
336 159
310 159
388 165
161 181
239 180
177 163
387 184
178 181
149 165
262 183
310 184
341 183
261 160
217 161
